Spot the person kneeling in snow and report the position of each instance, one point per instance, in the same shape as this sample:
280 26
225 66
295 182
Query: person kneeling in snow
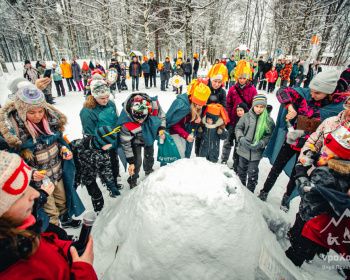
92 159
253 132
214 120
141 121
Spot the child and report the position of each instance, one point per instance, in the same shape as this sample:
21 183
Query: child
253 132
179 72
162 76
272 77
212 132
232 77
92 159
123 74
333 172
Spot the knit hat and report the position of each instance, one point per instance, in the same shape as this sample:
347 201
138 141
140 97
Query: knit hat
13 84
99 87
325 82
140 108
145 58
41 62
338 141
85 67
188 60
26 61
167 57
15 176
195 55
243 106
201 94
91 66
151 53
63 59
113 59
105 135
259 99
218 72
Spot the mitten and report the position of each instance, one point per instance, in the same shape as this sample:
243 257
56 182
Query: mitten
295 134
113 191
258 146
219 131
245 142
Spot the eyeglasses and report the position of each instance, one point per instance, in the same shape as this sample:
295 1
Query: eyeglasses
346 106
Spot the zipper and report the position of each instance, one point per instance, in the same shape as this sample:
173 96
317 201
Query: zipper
256 123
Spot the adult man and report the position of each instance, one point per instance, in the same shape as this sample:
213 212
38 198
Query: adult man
195 65
115 64
30 73
167 68
153 64
230 65
67 74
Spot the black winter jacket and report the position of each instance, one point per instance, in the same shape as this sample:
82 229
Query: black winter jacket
134 69
218 96
153 65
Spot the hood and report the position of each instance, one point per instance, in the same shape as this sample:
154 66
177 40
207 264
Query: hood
9 128
219 122
130 99
340 166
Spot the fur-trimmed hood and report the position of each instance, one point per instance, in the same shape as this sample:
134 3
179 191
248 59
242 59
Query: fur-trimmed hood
218 123
10 128
340 166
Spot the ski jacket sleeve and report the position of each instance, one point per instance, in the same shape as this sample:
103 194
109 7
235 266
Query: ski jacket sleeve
288 96
126 138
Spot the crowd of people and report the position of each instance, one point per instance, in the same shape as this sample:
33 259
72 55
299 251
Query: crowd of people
40 169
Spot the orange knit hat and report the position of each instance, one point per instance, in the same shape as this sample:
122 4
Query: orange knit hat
145 58
217 110
151 53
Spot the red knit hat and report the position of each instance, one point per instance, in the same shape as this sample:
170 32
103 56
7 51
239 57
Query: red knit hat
339 141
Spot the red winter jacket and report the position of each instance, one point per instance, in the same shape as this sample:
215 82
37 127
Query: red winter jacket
49 262
271 76
179 127
233 99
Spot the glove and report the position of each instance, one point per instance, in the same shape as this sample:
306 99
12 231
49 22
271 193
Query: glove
258 146
113 191
295 134
245 142
302 182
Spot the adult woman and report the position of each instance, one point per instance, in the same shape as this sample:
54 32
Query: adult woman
308 103
100 67
183 116
26 253
33 129
243 91
310 75
99 111
86 74
76 72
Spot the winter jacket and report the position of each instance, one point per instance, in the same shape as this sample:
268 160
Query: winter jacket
132 133
310 74
279 67
86 74
261 65
92 119
267 68
167 68
196 65
285 72
145 67
116 66
48 262
307 108
223 62
295 71
255 73
301 72
180 127
135 69
188 68
271 76
346 75
66 70
76 72
217 96
179 72
162 74
90 162
31 74
47 90
56 73
230 65
153 65
246 127
210 139
123 73
248 92
43 152
100 67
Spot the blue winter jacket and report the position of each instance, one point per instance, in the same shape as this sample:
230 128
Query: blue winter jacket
145 67
230 65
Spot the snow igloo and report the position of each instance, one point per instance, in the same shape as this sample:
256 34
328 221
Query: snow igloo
191 219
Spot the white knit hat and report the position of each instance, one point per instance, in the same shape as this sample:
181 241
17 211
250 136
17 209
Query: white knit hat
99 87
15 176
325 82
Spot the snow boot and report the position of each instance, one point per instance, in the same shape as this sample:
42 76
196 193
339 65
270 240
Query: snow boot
263 195
284 204
67 222
97 203
149 172
119 185
113 191
131 184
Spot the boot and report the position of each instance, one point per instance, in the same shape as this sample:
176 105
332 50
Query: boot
263 195
68 222
131 184
97 203
113 191
149 172
284 203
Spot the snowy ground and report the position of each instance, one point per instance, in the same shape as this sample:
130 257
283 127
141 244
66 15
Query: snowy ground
154 243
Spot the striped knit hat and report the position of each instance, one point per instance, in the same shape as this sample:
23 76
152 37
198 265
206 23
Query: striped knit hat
260 99
105 135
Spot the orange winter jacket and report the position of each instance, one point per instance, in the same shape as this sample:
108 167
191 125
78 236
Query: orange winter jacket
66 70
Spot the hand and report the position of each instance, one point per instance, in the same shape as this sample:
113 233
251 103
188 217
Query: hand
197 120
131 169
161 135
37 176
245 142
48 189
69 157
42 83
291 113
219 131
295 134
190 139
87 257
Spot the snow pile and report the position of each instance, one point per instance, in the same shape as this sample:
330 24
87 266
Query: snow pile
181 223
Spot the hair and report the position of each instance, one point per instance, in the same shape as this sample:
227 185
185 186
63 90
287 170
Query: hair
36 130
9 230
195 112
90 102
262 127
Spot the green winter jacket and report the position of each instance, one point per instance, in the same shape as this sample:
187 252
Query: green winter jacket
92 119
56 73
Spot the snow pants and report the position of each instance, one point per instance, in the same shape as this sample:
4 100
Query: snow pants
284 155
271 87
135 79
262 85
188 79
80 85
146 76
293 81
228 143
148 160
250 168
60 88
284 83
152 77
70 84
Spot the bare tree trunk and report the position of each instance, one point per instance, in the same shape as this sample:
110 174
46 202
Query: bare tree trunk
188 29
146 11
72 31
88 42
34 30
128 30
342 45
108 26
105 52
156 43
170 6
2 62
124 35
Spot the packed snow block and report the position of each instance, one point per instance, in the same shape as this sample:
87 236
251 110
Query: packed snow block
187 220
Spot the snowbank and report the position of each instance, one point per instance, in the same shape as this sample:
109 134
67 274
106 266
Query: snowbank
181 223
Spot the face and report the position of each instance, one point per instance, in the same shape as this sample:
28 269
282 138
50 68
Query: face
317 95
106 147
287 61
209 121
22 208
258 109
273 68
44 64
28 64
260 58
151 56
167 59
326 150
279 61
97 64
102 100
134 58
240 112
216 84
199 107
242 81
35 115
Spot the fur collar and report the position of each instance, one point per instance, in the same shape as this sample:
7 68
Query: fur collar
214 125
9 131
340 166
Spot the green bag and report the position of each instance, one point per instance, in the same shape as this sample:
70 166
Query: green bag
278 81
167 152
